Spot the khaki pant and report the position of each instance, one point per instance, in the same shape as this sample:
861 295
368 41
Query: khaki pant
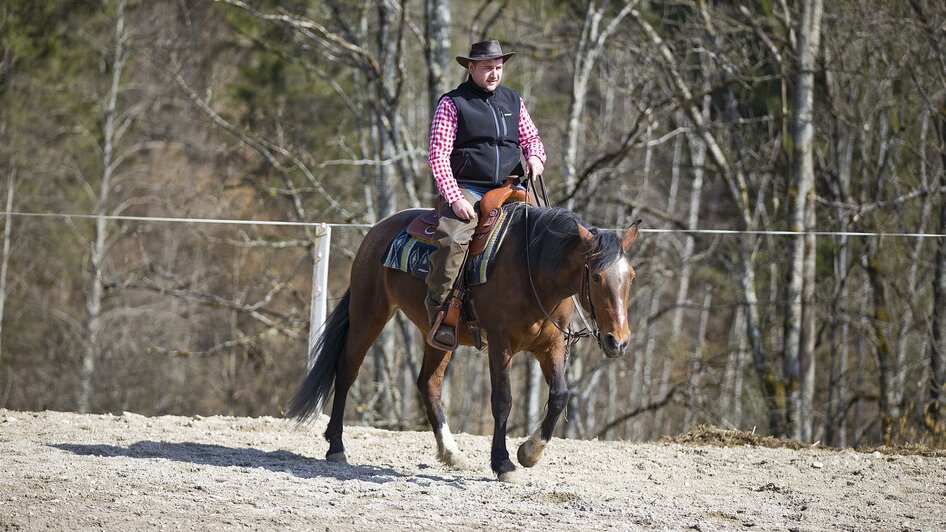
453 237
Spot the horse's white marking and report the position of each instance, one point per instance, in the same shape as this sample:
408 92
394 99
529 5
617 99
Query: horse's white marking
623 267
448 452
446 442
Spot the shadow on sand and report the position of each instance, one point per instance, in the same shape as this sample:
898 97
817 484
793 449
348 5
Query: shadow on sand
221 456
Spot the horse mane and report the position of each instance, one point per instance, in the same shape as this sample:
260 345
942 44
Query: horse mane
554 237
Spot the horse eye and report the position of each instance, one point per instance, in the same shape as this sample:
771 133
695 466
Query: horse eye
596 277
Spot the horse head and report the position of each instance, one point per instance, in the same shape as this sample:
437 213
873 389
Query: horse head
606 286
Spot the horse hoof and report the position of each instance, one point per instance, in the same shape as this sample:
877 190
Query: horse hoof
454 460
337 458
529 453
510 477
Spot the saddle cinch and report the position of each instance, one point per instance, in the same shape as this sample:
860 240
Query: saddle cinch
424 226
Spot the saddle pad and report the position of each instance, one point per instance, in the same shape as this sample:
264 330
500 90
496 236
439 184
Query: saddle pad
410 254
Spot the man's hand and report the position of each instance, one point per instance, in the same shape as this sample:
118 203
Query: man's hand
463 209
536 168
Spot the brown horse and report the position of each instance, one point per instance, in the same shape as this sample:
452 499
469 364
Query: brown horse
548 257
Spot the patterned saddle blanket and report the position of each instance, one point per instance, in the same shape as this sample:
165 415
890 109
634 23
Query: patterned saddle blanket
411 254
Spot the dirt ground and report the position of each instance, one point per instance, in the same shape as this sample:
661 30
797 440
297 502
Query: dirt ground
64 471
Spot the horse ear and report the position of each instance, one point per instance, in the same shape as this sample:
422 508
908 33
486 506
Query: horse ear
630 235
586 236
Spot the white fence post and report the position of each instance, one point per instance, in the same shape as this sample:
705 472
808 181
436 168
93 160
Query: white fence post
319 288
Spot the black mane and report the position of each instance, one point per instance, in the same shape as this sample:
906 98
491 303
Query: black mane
554 236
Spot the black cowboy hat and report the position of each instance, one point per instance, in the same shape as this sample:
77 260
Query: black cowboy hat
483 50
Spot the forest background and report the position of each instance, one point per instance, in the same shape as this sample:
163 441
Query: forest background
825 120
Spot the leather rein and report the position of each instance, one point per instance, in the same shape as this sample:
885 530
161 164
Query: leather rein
584 290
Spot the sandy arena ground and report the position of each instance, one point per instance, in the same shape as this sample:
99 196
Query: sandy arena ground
65 471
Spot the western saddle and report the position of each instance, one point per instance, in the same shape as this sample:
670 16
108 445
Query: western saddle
424 226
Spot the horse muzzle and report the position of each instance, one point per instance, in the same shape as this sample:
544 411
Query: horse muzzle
612 347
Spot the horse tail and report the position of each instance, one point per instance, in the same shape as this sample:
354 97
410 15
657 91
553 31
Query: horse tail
325 355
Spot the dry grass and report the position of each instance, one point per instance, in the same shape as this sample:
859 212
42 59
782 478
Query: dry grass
709 435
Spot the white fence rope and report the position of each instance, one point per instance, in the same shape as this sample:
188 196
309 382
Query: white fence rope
365 226
319 296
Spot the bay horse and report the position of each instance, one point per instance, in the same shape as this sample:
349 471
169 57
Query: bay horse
548 256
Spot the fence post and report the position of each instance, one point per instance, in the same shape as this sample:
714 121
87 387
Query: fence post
319 288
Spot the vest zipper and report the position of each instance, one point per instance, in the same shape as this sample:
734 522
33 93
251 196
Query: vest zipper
498 137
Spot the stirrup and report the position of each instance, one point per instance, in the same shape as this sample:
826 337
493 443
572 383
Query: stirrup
432 333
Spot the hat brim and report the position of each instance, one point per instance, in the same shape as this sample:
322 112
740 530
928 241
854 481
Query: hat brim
465 61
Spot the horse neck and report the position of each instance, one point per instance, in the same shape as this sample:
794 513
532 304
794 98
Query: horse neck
564 284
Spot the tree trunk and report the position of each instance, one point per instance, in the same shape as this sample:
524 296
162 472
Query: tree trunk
590 47
773 391
907 315
730 403
936 410
799 317
835 424
694 393
439 60
889 410
96 290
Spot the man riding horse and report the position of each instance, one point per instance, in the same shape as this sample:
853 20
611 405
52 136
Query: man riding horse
549 262
477 134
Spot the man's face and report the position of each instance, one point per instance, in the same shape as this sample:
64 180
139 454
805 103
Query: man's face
487 74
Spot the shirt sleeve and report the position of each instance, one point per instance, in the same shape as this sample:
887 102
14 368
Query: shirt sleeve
529 135
443 133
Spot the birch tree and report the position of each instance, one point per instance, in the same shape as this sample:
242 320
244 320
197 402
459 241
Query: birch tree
113 128
591 45
800 317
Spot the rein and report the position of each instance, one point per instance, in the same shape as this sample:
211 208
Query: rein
571 337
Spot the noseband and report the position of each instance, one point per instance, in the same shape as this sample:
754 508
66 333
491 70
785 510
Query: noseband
585 291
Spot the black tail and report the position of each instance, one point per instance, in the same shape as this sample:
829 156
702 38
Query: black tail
311 394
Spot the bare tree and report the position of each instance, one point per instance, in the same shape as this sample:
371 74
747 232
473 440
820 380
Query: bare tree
590 47
112 130
800 317
438 50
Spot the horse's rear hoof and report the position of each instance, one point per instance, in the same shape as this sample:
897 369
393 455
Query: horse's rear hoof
336 458
455 460
510 477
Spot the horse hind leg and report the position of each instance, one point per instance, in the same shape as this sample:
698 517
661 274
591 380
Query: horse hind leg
430 384
368 319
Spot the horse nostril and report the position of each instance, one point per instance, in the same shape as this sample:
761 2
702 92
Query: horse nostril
613 342
614 345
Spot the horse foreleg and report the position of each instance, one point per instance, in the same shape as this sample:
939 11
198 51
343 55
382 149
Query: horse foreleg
430 384
501 401
553 367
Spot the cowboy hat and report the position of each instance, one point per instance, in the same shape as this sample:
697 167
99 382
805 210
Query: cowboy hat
483 50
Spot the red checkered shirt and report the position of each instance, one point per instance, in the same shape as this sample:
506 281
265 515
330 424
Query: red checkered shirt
443 132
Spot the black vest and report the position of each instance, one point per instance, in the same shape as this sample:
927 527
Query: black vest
486 150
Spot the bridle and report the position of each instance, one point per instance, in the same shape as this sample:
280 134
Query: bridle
584 290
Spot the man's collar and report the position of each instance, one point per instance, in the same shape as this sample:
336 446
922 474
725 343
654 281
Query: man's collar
478 89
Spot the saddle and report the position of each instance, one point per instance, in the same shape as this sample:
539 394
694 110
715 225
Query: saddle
425 225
